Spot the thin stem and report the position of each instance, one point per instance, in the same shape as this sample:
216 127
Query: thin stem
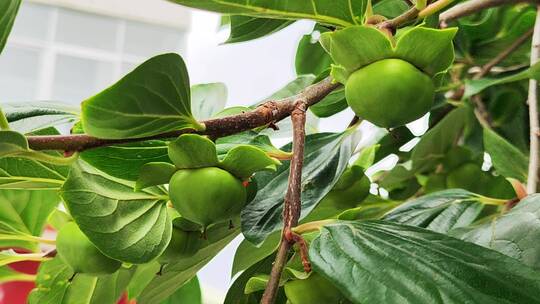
504 54
473 6
394 23
269 112
4 125
292 203
532 100
434 8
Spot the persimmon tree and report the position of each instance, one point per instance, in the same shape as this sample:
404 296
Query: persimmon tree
156 177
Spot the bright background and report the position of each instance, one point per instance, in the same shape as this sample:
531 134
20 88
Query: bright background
68 50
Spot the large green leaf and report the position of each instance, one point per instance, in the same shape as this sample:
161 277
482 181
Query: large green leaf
439 211
27 211
508 160
515 234
325 158
179 272
336 12
311 58
55 287
207 99
430 50
26 117
247 254
152 99
19 173
188 293
384 262
433 145
126 225
125 161
8 12
244 28
236 293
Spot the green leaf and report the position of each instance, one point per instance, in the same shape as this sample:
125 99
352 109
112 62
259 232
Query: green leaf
514 234
256 283
247 254
27 213
144 274
177 273
242 161
475 86
430 50
126 225
193 151
394 263
390 8
225 144
54 285
337 12
125 161
9 256
26 117
208 99
439 211
188 293
8 275
19 173
356 46
8 12
244 28
325 159
433 145
508 160
236 294
311 58
14 144
154 98
155 174
367 157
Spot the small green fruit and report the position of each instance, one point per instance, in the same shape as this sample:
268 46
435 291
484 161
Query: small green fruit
76 250
389 93
207 195
183 244
313 290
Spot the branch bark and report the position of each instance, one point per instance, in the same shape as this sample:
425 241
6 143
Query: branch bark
532 100
473 6
292 204
504 54
269 112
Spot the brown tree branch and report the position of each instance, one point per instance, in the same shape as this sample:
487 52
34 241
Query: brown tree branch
292 204
269 112
532 179
504 54
473 6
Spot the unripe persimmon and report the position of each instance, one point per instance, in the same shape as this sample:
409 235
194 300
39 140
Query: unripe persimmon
207 195
389 93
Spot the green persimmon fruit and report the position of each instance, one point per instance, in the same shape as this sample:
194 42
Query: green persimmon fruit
76 250
389 93
183 244
313 290
207 195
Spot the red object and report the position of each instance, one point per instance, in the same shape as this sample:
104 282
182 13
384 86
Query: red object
16 292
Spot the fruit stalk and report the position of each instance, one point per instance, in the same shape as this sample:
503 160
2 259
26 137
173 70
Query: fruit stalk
269 112
292 203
